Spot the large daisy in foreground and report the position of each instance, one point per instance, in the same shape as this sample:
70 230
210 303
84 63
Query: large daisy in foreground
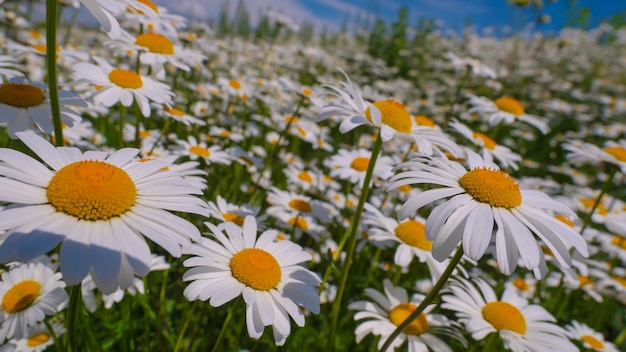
265 272
97 206
481 197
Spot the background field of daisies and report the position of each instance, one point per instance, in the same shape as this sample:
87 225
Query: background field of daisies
231 110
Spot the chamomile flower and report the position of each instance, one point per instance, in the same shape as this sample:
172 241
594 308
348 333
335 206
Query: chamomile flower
122 86
105 10
180 115
28 293
26 106
389 309
612 153
97 206
522 326
265 272
352 165
200 150
589 338
38 338
505 109
480 198
297 204
228 212
9 67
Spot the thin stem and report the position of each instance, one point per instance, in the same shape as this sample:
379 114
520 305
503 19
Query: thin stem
68 33
51 68
603 190
226 322
139 115
352 237
428 299
73 309
55 338
120 132
185 325
491 341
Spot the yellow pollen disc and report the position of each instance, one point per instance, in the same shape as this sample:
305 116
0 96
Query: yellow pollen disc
404 189
281 237
155 43
504 316
21 95
423 120
125 79
144 133
34 33
546 250
234 84
400 312
21 296
306 92
588 204
225 133
493 187
42 48
150 4
305 176
619 242
618 152
301 131
38 339
299 223
232 217
564 220
620 280
583 280
292 119
412 233
301 205
510 105
256 268
92 190
200 151
174 111
521 284
360 164
393 114
487 142
592 341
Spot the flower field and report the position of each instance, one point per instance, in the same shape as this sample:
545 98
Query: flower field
167 185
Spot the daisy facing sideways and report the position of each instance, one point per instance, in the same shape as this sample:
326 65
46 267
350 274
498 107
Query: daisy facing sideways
265 272
97 206
480 198
505 109
522 326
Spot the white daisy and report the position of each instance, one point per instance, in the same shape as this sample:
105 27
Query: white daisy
200 150
97 205
352 165
612 153
105 10
505 109
265 272
9 67
589 338
294 203
480 198
38 338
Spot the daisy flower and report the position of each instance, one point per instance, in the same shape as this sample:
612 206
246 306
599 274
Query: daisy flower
587 153
389 309
265 272
180 115
105 10
38 338
522 326
224 212
26 106
352 165
200 150
28 293
122 86
297 204
9 67
97 206
489 148
506 109
589 338
480 198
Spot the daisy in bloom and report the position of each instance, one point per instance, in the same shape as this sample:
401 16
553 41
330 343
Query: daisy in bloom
489 148
522 326
505 109
97 206
38 339
587 153
180 115
26 106
296 204
117 85
9 67
224 212
200 150
480 198
28 293
589 338
105 10
463 63
265 272
389 309
352 165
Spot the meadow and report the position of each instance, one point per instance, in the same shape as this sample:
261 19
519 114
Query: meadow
167 185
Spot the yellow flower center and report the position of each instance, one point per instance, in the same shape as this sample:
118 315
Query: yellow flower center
620 280
400 312
360 164
404 189
42 48
301 205
299 223
504 316
412 233
619 242
393 114
492 186
521 284
21 296
38 339
291 119
256 268
150 4
92 190
588 204
510 105
306 92
305 176
174 111
234 84
618 152
200 151
423 120
155 43
21 95
487 142
125 79
564 220
232 217
583 280
592 341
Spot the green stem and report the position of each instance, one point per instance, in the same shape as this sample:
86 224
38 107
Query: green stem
428 299
51 68
73 309
352 237
185 325
53 333
139 115
226 322
120 132
491 341
68 33
603 190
